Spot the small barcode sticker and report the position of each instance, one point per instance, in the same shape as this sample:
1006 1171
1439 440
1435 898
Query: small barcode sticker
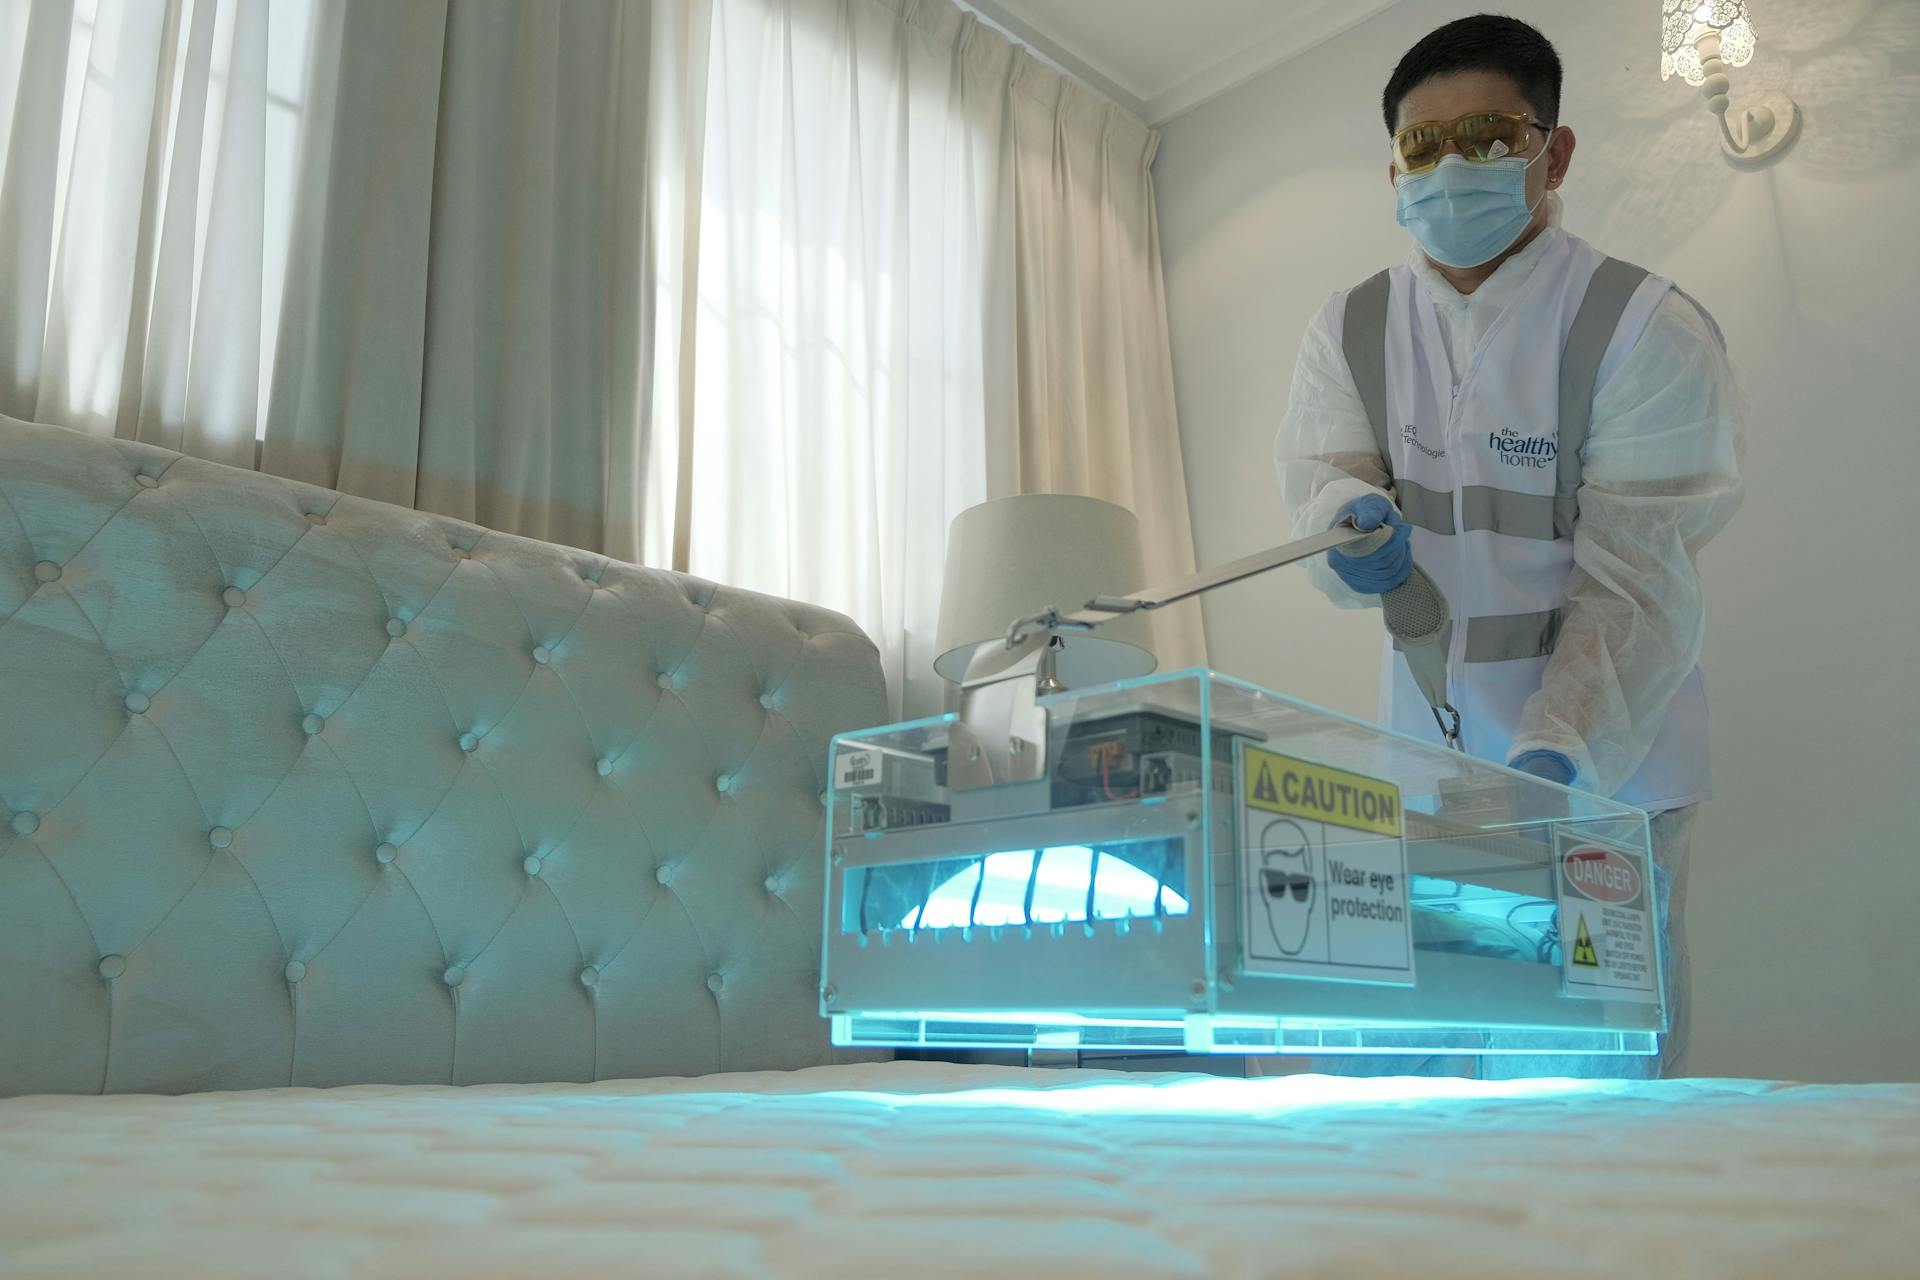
855 769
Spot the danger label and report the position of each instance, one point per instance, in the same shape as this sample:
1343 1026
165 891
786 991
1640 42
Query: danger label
1323 872
1607 927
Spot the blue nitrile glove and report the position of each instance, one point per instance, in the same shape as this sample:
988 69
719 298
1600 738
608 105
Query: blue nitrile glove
1386 566
1542 763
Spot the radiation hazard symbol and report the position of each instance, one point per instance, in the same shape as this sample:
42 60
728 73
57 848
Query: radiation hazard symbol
1583 953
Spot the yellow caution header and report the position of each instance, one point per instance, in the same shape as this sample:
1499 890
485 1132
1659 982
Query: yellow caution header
1300 789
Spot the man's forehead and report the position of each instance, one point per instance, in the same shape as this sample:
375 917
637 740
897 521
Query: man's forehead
1459 93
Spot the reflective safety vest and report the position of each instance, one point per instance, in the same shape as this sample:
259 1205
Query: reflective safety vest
1489 478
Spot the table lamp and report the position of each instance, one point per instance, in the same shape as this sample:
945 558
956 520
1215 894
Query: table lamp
1014 557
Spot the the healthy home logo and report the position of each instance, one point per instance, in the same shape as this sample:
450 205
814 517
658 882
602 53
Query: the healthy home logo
1517 450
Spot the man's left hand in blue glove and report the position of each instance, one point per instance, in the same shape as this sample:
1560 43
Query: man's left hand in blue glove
1550 765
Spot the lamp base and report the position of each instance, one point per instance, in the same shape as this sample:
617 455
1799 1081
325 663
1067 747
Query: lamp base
1771 123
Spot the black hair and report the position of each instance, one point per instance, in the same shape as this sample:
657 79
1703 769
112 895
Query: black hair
1487 42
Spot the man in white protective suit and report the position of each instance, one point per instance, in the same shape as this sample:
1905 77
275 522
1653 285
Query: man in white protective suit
1553 435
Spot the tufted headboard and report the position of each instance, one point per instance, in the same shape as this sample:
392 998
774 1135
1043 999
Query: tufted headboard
297 788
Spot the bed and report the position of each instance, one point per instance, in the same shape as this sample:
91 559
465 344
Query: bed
333 834
930 1170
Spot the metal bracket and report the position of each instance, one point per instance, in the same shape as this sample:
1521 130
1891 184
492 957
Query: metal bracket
1001 733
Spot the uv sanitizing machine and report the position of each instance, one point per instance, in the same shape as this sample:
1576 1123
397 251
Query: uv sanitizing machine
1190 863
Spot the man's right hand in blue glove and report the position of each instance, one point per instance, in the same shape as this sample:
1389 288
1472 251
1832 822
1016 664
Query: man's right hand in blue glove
1386 566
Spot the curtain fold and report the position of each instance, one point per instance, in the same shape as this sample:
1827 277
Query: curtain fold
764 290
1092 366
533 204
494 338
348 373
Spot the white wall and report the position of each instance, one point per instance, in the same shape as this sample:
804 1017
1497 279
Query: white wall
1805 912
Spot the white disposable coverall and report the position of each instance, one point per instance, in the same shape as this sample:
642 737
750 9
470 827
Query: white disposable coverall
1661 477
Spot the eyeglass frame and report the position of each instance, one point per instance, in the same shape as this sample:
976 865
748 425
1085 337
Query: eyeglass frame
1452 138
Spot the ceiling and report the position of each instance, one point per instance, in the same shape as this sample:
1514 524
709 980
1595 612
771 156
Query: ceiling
1161 57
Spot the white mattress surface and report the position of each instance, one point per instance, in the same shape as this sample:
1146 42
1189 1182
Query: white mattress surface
922 1170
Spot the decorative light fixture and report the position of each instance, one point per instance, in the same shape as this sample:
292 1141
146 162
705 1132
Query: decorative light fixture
1699 40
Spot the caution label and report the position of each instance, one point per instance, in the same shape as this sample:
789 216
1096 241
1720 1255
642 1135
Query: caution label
1323 871
1280 784
1607 926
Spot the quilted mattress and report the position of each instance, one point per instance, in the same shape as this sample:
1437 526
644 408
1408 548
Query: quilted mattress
924 1170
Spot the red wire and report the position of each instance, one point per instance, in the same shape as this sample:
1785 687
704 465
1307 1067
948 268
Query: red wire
1106 753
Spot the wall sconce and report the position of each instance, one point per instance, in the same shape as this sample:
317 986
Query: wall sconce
1699 40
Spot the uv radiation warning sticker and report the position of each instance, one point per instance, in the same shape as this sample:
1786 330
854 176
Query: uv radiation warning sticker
1323 871
1606 921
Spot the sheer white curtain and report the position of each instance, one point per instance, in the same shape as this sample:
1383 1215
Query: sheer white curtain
144 198
767 290
841 402
928 274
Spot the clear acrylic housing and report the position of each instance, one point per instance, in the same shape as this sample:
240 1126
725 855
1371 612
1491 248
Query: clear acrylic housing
1204 865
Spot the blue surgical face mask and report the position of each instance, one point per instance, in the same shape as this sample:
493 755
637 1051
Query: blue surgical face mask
1465 213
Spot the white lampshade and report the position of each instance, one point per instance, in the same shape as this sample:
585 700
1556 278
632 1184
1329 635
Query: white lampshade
1684 22
1014 557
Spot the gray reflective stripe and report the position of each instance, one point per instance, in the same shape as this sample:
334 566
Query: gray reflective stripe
1511 636
1506 637
1608 293
1518 515
1482 509
1430 509
1363 336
